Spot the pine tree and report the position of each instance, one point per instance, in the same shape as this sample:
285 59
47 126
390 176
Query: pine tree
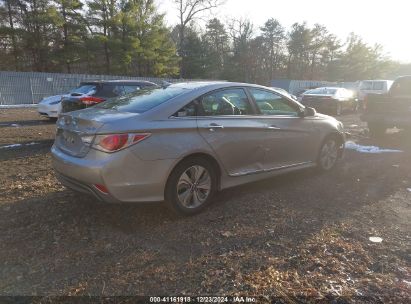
69 48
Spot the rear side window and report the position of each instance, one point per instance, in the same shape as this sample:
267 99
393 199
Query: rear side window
109 90
378 85
142 100
366 85
131 88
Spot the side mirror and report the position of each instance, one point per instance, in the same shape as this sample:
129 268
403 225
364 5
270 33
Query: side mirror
307 112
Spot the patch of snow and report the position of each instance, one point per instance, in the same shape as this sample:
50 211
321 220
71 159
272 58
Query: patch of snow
375 239
409 189
11 146
18 106
368 149
18 145
15 125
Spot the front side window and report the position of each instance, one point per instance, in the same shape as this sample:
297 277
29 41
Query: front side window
225 102
270 103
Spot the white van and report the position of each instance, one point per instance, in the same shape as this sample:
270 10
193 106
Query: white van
373 87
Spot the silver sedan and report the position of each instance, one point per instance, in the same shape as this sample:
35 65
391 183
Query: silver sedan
183 143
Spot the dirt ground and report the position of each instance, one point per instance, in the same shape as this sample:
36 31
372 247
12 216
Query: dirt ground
301 234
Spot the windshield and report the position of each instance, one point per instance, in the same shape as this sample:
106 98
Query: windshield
322 91
142 100
84 89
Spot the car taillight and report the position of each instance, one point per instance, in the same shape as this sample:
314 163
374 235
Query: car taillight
115 142
91 100
101 188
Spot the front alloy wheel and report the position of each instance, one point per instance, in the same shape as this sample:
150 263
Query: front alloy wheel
328 154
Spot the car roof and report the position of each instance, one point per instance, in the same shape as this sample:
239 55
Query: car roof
404 77
117 81
213 85
376 80
328 88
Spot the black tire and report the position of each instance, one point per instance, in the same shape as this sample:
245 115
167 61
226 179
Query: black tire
327 166
174 185
377 130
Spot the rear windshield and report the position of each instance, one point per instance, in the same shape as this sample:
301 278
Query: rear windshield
84 89
141 101
322 91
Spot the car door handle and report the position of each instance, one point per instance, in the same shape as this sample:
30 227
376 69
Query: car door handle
274 127
214 126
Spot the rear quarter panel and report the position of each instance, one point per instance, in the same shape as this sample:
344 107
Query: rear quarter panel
172 138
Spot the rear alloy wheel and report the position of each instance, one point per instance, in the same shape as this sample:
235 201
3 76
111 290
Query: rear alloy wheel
328 154
191 186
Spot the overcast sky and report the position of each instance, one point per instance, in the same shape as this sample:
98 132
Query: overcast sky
385 22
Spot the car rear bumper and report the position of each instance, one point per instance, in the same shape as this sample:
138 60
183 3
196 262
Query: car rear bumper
127 178
390 120
326 106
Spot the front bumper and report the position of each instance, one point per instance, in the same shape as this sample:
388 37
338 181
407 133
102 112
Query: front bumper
127 178
51 111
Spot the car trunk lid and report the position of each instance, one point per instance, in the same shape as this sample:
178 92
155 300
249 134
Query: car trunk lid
317 97
75 130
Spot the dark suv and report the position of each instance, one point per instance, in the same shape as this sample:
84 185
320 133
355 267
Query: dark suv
91 93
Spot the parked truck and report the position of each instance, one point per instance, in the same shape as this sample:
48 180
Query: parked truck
393 109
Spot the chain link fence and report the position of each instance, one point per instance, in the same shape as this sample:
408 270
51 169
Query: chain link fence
17 88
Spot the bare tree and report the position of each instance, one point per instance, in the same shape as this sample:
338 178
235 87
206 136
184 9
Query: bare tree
189 10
